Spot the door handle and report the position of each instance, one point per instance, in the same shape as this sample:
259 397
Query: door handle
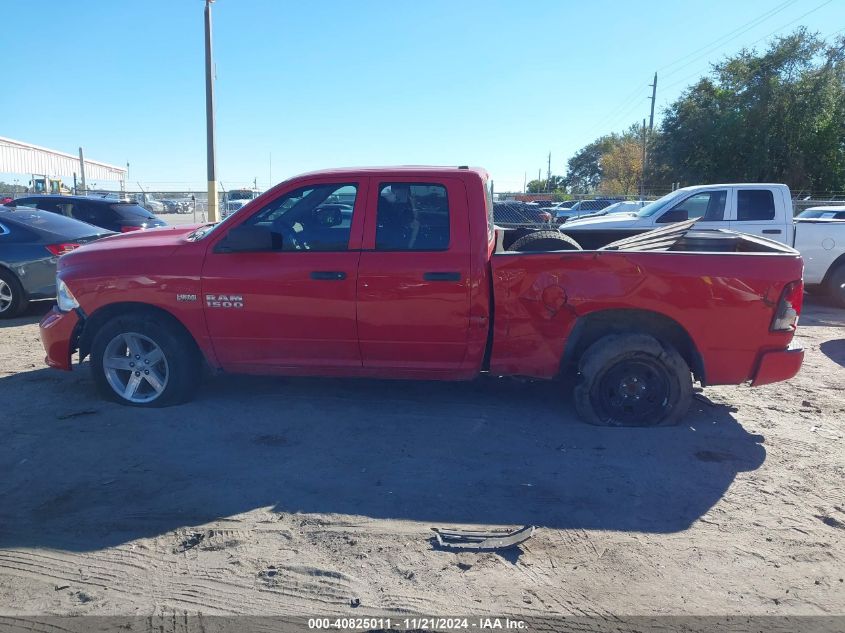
772 231
433 276
328 275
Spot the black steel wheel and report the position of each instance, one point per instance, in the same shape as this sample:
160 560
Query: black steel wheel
632 380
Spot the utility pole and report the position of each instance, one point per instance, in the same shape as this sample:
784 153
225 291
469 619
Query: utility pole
209 119
82 171
653 98
549 174
647 137
524 181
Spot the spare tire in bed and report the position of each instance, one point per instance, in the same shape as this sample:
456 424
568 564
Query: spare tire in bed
545 241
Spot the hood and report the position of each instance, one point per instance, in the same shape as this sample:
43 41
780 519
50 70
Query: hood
611 221
162 239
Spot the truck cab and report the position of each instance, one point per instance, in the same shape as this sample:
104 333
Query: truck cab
757 209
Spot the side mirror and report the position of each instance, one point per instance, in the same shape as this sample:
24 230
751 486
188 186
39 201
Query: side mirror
674 215
249 239
328 216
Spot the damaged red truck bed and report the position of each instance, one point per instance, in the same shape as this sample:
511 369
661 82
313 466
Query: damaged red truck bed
401 273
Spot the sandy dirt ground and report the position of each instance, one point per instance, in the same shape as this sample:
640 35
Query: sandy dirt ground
306 497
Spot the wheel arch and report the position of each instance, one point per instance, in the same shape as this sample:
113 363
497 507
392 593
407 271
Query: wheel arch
591 327
96 320
834 265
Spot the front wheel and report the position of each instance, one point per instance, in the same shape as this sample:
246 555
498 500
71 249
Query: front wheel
632 380
143 361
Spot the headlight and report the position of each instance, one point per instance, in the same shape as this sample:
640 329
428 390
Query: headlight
64 297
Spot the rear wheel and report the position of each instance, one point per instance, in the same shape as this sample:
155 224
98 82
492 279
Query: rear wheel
545 241
836 286
632 380
13 299
142 361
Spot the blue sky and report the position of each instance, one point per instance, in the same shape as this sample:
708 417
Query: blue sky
324 84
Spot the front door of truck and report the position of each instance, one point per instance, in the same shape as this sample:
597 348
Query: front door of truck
707 206
414 275
293 305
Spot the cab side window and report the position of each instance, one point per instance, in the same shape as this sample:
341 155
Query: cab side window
412 217
312 218
754 205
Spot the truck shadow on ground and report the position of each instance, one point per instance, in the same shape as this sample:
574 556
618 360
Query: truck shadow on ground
81 474
834 350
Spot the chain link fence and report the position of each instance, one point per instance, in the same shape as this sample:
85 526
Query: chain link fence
510 209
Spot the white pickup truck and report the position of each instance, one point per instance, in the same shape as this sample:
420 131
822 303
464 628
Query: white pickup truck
759 209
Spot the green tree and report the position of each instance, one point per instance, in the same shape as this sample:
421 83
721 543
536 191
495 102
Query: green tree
622 167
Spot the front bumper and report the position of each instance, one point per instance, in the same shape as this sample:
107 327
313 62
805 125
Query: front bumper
58 331
778 365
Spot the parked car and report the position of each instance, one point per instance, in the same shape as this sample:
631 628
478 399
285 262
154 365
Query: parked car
623 206
147 201
759 209
30 243
422 285
175 206
107 213
823 213
582 207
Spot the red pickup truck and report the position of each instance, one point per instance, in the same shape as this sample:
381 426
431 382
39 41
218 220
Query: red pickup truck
401 273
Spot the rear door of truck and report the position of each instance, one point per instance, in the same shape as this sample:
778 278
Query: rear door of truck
762 210
414 275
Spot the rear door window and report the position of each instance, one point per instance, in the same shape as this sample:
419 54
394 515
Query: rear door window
412 217
92 213
754 205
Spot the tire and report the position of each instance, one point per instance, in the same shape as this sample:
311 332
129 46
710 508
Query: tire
836 286
13 299
545 241
632 380
176 373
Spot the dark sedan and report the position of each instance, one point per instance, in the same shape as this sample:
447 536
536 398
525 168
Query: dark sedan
107 213
31 242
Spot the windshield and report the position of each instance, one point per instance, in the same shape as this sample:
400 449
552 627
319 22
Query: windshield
653 207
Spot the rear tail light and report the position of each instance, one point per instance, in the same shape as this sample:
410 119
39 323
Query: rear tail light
127 229
788 308
61 249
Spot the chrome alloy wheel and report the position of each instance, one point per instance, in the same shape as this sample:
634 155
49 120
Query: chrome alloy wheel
6 297
135 367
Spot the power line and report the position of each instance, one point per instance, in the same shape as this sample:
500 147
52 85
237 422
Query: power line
627 105
727 37
757 41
